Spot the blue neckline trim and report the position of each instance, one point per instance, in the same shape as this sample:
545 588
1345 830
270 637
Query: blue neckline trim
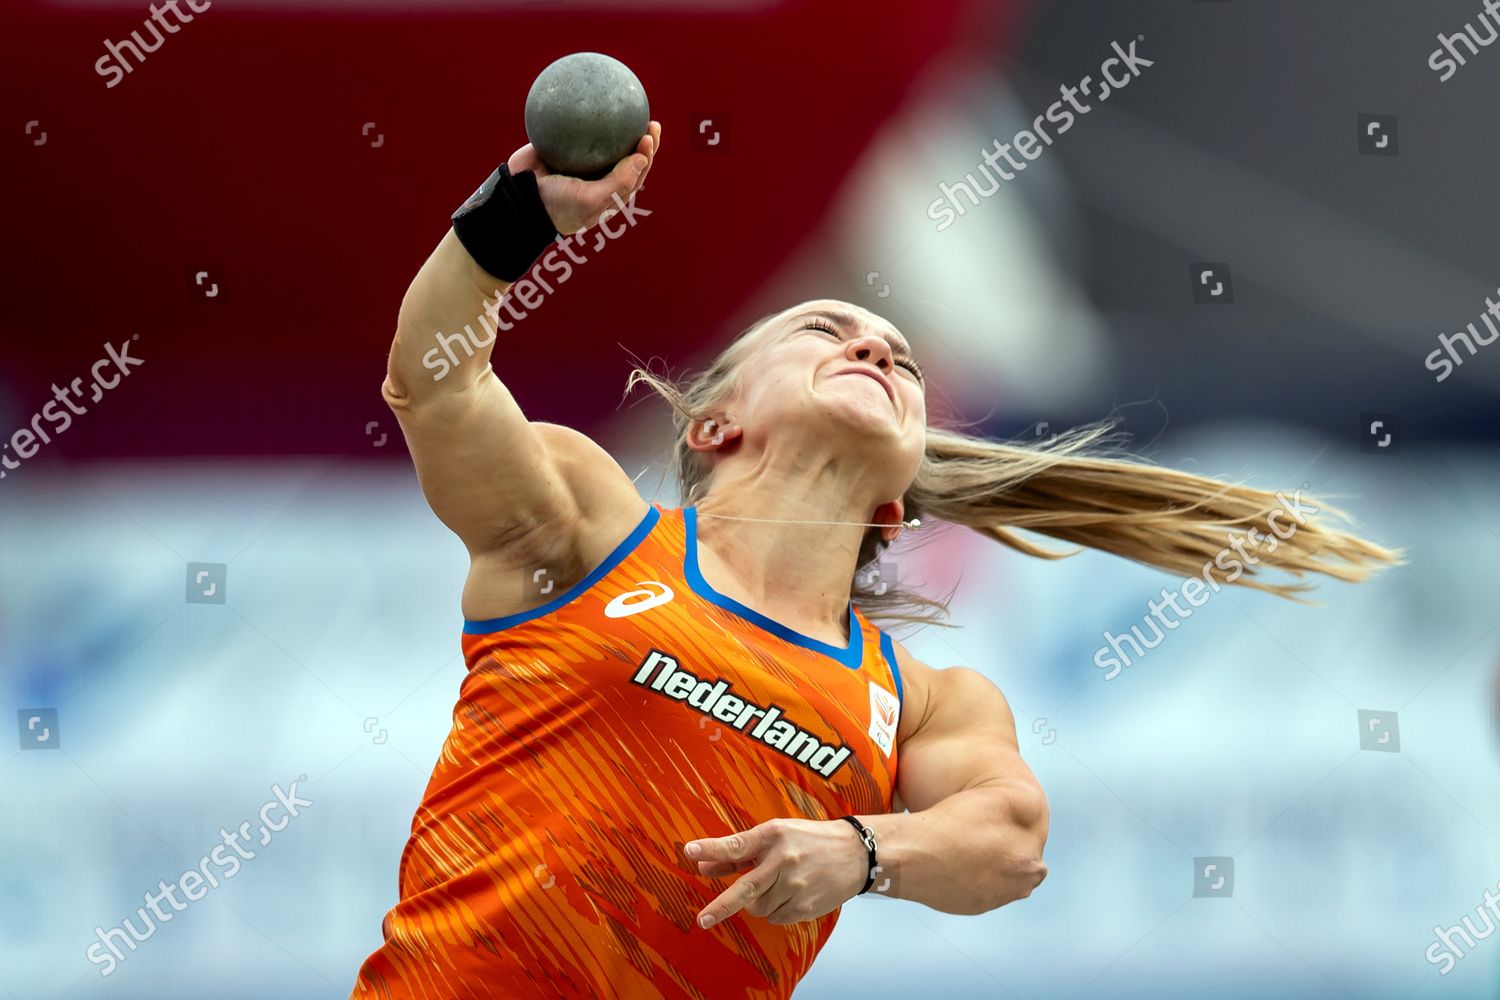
851 656
888 650
615 558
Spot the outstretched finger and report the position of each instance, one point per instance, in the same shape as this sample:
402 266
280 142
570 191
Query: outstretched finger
747 888
745 845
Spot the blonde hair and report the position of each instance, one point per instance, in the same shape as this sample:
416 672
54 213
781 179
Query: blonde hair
1079 487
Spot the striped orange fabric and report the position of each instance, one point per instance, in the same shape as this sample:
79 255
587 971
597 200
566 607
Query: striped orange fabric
593 737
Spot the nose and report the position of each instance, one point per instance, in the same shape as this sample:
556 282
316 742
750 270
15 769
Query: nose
871 349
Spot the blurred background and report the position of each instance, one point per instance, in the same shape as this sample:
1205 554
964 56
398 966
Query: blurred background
221 577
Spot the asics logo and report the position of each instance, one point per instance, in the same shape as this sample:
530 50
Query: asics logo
633 602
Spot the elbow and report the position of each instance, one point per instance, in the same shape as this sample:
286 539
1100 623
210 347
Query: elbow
1014 877
402 374
417 363
393 392
1021 869
408 384
1022 877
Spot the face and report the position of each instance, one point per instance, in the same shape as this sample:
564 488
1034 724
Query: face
838 370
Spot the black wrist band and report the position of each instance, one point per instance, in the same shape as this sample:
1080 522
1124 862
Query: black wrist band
504 225
867 837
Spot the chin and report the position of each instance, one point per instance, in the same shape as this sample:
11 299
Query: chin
862 418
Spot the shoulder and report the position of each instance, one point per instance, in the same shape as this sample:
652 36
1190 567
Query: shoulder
916 690
604 497
604 508
591 472
927 688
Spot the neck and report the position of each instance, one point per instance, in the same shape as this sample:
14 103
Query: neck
796 573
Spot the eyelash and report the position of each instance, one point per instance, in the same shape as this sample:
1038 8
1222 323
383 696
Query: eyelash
908 363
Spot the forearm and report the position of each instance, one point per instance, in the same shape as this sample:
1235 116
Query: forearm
448 323
975 850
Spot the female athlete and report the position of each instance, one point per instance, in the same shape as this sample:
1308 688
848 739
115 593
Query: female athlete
674 755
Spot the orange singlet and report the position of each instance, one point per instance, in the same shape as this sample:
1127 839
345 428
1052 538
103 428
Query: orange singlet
593 737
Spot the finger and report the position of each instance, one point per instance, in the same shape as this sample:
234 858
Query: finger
611 191
741 846
746 889
647 146
629 170
526 158
639 183
655 133
650 160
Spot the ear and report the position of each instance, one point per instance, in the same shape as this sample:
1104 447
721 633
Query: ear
890 512
712 433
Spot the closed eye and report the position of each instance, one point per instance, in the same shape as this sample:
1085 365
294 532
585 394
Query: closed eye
909 364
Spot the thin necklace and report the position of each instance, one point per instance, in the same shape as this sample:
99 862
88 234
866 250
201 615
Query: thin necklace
913 524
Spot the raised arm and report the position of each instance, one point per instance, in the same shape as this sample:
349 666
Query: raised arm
489 474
